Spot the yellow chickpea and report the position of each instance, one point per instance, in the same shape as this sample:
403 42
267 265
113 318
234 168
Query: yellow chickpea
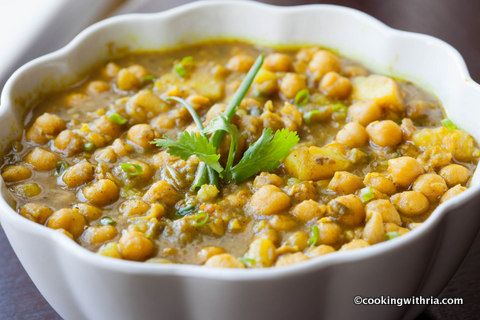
45 127
69 142
262 250
121 148
143 176
111 250
268 200
41 159
99 234
278 62
133 207
240 63
265 178
199 102
15 173
335 86
110 70
431 185
355 244
385 208
90 212
344 182
347 209
454 174
404 170
106 127
161 191
374 231
36 212
207 252
79 174
297 240
303 190
352 135
105 155
142 135
452 192
308 210
97 86
380 182
68 219
323 62
364 112
385 133
290 258
224 260
329 231
291 84
410 203
101 193
135 246
281 222
126 80
321 250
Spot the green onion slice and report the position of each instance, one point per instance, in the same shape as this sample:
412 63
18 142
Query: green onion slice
311 116
447 123
248 262
200 219
391 235
185 211
367 194
302 97
131 169
89 146
180 67
339 107
148 78
314 234
61 167
117 118
107 221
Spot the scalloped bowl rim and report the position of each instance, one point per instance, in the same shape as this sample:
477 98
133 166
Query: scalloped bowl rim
230 274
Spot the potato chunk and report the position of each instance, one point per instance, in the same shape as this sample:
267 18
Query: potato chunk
268 200
315 163
380 89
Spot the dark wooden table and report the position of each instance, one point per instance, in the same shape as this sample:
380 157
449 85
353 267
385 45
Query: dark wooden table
455 21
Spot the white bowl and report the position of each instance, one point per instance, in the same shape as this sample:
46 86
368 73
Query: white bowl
82 285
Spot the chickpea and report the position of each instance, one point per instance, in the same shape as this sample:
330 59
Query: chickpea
380 182
41 159
262 250
110 70
106 127
278 62
99 234
101 193
335 86
121 148
454 174
291 84
143 176
224 260
404 170
282 222
308 210
431 185
135 246
161 191
347 209
321 250
452 192
352 135
68 219
297 240
303 190
45 126
385 208
268 200
329 231
199 102
207 252
265 178
96 87
354 71
15 173
105 155
141 135
111 250
133 207
374 231
79 174
364 112
290 258
323 62
126 80
355 244
36 212
69 142
90 213
344 182
410 203
240 63
385 133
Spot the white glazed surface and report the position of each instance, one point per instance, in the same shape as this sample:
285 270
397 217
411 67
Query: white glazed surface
82 285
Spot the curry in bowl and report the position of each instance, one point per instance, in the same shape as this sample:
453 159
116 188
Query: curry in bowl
231 155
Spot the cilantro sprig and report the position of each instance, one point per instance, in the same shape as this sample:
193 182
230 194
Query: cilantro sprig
265 154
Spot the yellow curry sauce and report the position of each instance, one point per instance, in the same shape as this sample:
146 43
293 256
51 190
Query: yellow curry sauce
375 156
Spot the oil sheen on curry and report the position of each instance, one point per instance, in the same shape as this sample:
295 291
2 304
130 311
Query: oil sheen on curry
231 155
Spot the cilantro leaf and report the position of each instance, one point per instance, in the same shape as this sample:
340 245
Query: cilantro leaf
221 123
265 154
189 144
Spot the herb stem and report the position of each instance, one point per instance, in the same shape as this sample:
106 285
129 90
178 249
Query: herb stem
191 110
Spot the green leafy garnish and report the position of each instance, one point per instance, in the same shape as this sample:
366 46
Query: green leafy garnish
148 78
131 169
89 146
302 97
117 118
265 154
107 221
221 124
367 194
314 234
186 211
189 144
248 262
61 167
447 123
201 219
391 235
181 67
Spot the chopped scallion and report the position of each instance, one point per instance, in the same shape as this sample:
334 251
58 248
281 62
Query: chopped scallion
181 67
148 78
302 97
447 123
200 219
314 234
131 169
107 221
89 146
185 211
60 168
391 235
117 118
311 116
367 194
248 262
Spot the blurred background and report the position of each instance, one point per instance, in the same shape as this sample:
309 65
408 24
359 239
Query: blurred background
30 28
